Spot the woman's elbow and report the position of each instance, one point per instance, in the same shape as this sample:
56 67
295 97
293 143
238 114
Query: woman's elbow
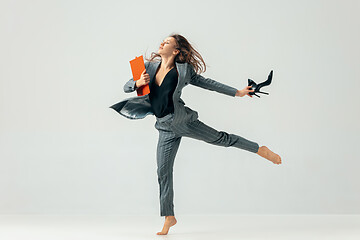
127 89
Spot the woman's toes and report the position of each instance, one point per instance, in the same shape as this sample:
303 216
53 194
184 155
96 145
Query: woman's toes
278 159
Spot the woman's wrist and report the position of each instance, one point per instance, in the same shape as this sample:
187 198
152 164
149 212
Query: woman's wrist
238 93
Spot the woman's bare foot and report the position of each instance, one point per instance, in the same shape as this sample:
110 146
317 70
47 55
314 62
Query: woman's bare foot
269 155
169 221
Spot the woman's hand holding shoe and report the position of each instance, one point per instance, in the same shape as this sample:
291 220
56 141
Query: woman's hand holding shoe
245 91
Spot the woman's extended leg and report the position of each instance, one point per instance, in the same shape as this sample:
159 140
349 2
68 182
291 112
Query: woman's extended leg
199 130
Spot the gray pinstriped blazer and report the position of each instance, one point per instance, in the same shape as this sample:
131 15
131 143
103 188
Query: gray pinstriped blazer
139 107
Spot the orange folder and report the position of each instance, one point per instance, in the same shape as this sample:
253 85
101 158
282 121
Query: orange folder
137 67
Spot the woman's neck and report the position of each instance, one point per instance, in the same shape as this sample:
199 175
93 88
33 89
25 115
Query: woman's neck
167 63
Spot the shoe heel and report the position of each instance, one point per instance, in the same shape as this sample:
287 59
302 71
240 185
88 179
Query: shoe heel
263 92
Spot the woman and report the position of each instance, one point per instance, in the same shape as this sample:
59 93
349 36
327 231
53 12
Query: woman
166 78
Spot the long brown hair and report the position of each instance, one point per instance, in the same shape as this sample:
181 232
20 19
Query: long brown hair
187 54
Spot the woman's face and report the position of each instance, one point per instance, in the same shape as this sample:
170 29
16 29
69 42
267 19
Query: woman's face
168 47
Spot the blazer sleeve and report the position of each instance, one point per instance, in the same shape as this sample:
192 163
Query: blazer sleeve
210 84
130 84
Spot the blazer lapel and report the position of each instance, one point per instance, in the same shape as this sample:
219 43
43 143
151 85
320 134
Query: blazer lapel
181 69
152 70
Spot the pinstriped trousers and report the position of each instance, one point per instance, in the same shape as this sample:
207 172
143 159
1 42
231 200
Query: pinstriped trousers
168 144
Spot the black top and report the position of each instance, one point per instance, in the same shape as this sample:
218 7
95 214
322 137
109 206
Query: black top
161 96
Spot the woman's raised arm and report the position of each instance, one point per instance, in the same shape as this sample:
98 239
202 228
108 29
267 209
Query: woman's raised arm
210 84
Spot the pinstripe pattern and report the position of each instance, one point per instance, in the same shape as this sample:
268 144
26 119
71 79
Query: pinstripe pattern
183 122
168 143
139 107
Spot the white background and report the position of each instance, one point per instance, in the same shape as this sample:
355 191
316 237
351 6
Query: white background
64 151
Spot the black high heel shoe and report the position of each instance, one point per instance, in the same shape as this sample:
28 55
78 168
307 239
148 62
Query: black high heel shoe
257 87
